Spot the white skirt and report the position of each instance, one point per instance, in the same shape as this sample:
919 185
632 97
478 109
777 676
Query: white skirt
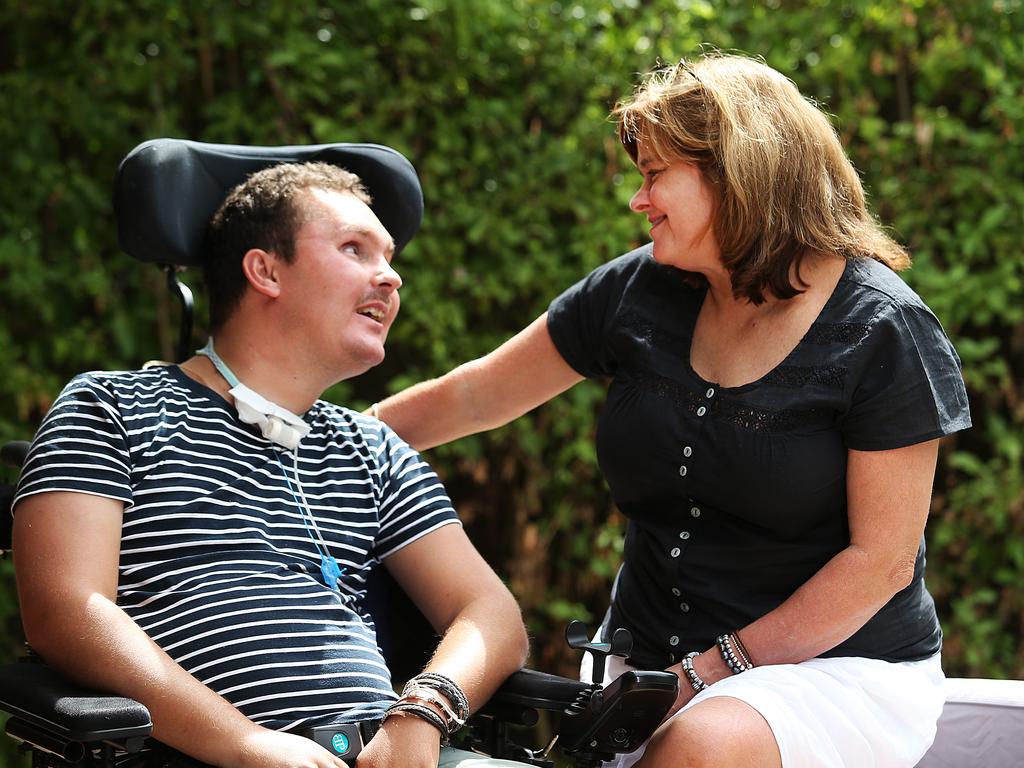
845 712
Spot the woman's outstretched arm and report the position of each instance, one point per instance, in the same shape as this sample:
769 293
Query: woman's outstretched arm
524 372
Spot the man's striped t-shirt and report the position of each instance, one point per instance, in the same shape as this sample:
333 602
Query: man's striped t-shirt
219 563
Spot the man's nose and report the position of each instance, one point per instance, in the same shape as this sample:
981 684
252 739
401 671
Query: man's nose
387 275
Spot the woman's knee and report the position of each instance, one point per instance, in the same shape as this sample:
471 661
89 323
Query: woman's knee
715 733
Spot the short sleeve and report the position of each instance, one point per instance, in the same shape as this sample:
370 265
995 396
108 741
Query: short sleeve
910 387
413 500
580 319
81 446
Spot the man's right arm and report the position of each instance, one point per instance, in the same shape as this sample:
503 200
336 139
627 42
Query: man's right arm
66 549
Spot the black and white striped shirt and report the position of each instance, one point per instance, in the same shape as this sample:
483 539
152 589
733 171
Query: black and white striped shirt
218 563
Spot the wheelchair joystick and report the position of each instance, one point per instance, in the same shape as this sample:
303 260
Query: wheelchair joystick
603 721
578 638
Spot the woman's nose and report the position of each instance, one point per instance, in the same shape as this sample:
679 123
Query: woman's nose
640 200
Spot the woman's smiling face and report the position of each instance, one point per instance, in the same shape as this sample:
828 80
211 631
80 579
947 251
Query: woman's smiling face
679 205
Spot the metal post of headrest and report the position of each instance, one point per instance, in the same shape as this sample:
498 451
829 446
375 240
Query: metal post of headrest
184 294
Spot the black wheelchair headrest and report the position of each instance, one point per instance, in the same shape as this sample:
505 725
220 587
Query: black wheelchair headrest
167 190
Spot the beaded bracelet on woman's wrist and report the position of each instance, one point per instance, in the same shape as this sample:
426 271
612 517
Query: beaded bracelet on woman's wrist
696 682
741 649
734 660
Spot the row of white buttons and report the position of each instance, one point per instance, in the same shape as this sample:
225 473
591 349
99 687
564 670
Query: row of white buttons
687 450
683 606
694 512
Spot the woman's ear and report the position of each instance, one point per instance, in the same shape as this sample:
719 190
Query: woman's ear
261 270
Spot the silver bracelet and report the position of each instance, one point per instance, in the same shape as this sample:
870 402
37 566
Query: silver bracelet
436 699
696 682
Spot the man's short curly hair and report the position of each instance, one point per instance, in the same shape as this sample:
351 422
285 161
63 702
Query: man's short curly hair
265 211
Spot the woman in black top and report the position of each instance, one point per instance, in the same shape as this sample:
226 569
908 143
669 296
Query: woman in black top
776 398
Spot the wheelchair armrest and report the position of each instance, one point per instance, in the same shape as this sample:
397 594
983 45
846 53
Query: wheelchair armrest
525 692
530 688
44 706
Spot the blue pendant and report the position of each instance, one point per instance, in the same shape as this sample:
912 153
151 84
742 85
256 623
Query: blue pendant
330 570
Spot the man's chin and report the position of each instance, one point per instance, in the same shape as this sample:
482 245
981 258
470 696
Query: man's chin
367 361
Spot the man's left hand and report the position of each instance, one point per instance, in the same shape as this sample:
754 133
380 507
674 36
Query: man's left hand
402 741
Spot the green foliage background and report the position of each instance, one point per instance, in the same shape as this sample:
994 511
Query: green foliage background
502 105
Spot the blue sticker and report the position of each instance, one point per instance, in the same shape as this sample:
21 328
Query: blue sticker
340 743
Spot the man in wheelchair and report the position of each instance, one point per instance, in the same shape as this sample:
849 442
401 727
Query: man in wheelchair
198 537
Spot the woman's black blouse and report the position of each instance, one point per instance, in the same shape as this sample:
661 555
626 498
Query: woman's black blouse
737 495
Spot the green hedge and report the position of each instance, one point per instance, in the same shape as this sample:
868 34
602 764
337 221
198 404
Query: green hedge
502 105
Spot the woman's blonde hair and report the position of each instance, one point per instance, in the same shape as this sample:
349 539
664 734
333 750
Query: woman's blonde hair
784 186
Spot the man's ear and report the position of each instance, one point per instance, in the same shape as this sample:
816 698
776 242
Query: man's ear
261 270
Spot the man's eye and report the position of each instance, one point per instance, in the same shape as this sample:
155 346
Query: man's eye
352 248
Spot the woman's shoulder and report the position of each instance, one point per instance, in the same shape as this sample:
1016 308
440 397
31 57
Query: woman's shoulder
641 260
903 373
871 297
639 256
636 272
873 308
625 266
875 283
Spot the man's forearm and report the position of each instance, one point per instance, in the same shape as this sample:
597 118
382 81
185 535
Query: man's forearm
483 646
483 637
